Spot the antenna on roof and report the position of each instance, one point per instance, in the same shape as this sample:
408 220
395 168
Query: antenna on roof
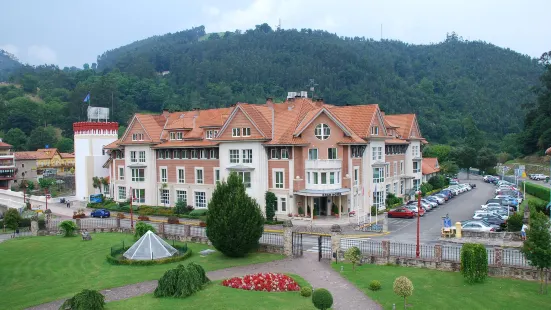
279 25
312 84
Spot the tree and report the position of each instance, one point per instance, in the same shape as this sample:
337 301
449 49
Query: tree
42 137
235 222
353 255
486 159
474 262
30 83
68 228
121 131
180 207
403 287
440 151
46 183
65 145
473 137
464 156
271 205
437 181
449 168
96 183
537 247
142 228
17 138
12 219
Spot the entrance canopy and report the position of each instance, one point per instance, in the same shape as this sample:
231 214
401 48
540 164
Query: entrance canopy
323 193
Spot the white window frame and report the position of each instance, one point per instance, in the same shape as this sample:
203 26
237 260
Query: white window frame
133 157
395 188
202 179
356 176
121 175
163 178
310 157
141 156
276 184
165 197
282 204
375 130
387 170
336 155
401 167
234 157
247 156
236 132
178 179
380 177
379 153
334 178
212 154
122 193
181 193
418 164
323 178
242 174
209 134
373 153
135 194
284 153
395 172
194 154
273 153
137 136
246 131
402 187
322 131
315 176
137 178
216 174
202 154
196 203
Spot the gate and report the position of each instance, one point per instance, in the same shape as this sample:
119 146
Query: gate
297 244
324 247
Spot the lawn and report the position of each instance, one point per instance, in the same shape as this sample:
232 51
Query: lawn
445 290
37 270
528 197
218 297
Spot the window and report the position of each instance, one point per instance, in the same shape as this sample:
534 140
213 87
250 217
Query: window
164 175
416 184
199 176
401 167
234 156
181 175
176 135
165 196
121 173
374 153
106 189
184 154
387 188
283 204
139 195
210 134
142 156
176 154
246 177
377 153
416 167
323 178
387 170
202 154
247 156
331 177
332 153
374 130
315 177
395 187
194 154
273 154
200 200
212 154
284 154
378 175
308 178
181 196
122 193
356 176
278 179
138 174
313 154
322 131
117 156
133 158
357 151
137 137
395 168
236 132
216 174
402 187
246 132
379 199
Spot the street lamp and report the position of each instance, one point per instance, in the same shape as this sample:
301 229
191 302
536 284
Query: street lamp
417 250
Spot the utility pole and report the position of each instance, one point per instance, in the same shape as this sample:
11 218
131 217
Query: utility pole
312 86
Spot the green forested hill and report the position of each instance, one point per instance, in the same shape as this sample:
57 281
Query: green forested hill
8 64
445 83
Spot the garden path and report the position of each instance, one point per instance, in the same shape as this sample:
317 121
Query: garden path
319 274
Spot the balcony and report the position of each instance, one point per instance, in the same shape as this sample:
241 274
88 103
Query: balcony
323 164
8 155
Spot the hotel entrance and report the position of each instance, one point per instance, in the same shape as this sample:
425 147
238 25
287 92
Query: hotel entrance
321 206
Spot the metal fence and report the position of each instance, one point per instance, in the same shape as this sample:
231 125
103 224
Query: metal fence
271 239
21 232
402 250
491 256
512 257
367 247
451 253
92 223
196 231
174 229
325 248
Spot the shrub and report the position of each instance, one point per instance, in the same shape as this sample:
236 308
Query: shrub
353 255
143 218
437 181
142 228
374 285
425 188
12 219
173 220
474 262
180 207
85 300
199 212
68 228
322 299
536 190
306 291
235 222
181 281
514 222
271 205
403 288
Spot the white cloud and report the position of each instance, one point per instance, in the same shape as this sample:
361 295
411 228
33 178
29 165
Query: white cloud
211 11
10 48
42 54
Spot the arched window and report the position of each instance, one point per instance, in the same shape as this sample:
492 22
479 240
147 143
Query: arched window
322 131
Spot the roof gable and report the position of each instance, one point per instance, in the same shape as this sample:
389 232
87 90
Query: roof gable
136 126
415 131
403 122
245 116
311 116
430 165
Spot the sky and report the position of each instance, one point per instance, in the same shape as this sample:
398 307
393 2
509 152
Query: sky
71 33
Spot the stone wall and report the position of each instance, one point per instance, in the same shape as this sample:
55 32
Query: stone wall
513 236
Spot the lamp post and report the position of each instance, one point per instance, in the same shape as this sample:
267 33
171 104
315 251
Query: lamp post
417 249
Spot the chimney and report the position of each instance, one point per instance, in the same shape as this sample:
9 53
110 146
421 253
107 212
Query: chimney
165 113
269 102
319 102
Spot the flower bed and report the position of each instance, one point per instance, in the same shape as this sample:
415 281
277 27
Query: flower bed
268 282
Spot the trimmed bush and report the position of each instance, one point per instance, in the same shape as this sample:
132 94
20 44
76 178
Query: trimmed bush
374 285
322 299
474 262
536 190
353 255
68 228
181 281
514 222
142 228
199 212
306 291
12 219
85 300
271 204
403 287
235 222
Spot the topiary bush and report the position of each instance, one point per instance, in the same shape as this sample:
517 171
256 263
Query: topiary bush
85 300
374 285
142 228
181 281
474 262
199 212
403 288
322 299
306 291
353 255
68 228
271 204
235 222
514 222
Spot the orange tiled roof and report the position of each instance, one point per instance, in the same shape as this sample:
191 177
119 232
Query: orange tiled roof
4 145
194 143
67 155
32 155
153 125
429 165
404 122
112 145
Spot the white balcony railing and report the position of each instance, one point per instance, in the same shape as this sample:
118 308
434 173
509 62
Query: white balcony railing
323 164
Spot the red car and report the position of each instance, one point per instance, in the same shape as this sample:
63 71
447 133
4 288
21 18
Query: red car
401 212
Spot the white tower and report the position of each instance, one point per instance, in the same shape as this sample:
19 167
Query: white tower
90 138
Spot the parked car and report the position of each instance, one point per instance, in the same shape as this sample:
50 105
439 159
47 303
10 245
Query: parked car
402 212
478 226
500 201
538 177
494 219
431 203
491 204
478 221
100 213
437 199
414 209
447 193
443 196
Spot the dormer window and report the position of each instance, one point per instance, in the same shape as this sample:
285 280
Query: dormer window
137 137
246 132
375 130
176 135
236 132
211 134
322 131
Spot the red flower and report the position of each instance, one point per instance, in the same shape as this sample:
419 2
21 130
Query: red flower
263 282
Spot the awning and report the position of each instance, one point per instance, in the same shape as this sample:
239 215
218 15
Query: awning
323 193
407 177
240 168
106 165
137 165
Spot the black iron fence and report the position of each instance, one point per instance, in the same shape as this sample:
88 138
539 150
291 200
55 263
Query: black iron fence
271 238
367 247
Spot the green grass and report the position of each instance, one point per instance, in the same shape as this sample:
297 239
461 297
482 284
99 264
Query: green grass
445 290
218 297
37 270
528 197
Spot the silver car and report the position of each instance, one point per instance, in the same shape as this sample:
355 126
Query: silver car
477 226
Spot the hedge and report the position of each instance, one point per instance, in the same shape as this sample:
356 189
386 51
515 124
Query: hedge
144 209
26 222
536 190
114 260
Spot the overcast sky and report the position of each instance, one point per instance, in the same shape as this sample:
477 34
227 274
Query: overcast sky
73 32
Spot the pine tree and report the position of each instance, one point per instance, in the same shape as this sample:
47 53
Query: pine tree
235 222
537 247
